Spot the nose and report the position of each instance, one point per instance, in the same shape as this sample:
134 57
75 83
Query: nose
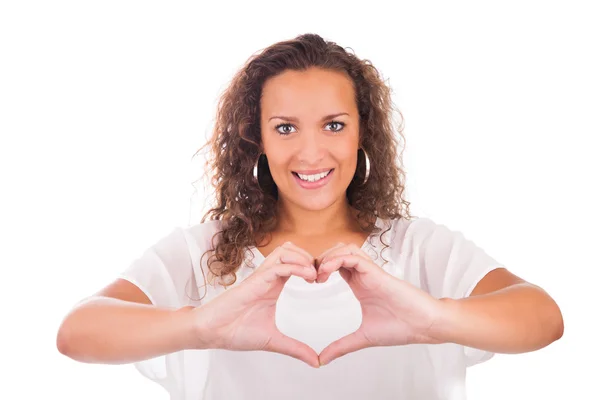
312 149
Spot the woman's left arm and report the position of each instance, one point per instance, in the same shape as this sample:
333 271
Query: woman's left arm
503 314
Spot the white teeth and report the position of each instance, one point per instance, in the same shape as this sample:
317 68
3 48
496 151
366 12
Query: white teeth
315 177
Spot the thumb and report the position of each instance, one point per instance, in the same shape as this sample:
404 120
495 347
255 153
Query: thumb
347 344
283 344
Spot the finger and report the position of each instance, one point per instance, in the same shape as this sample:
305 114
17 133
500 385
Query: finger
345 274
283 344
353 262
320 258
349 261
286 270
295 258
291 257
350 249
292 246
285 255
345 345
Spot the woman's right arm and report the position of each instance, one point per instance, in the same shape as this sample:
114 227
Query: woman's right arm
119 325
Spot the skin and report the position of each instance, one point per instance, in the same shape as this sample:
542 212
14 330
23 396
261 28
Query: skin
315 219
504 313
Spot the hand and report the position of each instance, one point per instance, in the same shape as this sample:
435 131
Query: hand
394 312
243 317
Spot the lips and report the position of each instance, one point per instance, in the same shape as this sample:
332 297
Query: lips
312 172
314 184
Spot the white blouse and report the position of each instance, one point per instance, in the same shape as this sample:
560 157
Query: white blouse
430 256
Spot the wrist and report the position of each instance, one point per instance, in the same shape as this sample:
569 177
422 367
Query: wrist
203 335
446 325
191 335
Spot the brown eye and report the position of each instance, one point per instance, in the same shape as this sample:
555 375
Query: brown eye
284 133
339 123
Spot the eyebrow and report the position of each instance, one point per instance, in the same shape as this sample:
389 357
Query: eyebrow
294 119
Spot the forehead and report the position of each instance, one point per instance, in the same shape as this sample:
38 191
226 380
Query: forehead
313 89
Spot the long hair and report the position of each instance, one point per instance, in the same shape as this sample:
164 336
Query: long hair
246 208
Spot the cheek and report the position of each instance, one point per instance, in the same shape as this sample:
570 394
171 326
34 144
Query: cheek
346 154
278 162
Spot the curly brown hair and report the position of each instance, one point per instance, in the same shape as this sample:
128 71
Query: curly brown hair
246 208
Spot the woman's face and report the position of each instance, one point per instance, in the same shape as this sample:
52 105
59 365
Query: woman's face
310 124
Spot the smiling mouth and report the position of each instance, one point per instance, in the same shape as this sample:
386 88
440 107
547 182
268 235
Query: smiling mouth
298 176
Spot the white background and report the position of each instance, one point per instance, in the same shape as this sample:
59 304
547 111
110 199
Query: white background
103 104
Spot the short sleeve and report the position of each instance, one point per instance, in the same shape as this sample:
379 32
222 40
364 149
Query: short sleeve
451 266
161 272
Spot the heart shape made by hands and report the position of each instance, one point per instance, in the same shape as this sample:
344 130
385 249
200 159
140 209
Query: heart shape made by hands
384 310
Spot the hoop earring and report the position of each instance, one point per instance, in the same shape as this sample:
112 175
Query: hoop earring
367 166
255 169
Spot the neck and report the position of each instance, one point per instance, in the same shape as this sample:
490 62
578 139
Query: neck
339 216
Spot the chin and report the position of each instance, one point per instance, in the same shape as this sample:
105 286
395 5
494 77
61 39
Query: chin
314 203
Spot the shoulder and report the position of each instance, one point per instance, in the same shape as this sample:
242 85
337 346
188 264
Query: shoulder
416 229
202 233
420 233
423 228
198 235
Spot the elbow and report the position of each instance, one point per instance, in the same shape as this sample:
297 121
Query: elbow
550 318
62 341
68 343
559 325
67 336
554 325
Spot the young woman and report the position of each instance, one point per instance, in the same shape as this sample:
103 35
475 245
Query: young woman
309 279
